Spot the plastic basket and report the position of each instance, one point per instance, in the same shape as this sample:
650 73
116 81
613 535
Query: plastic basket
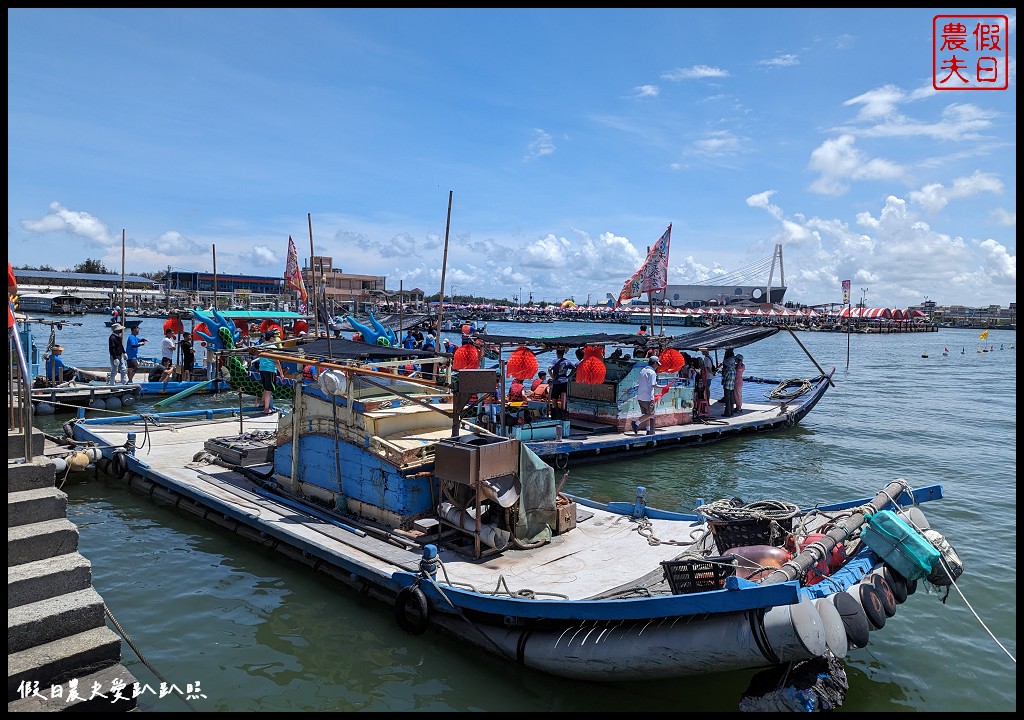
729 534
693 576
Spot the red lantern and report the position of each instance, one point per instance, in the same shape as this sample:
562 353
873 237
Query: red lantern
466 358
671 361
593 351
272 326
174 324
591 371
201 327
522 363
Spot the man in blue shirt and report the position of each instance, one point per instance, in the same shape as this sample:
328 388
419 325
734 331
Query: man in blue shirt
134 342
56 370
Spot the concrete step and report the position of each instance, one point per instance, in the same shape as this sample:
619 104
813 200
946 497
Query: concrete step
52 619
38 541
36 505
39 473
47 578
16 443
106 680
59 661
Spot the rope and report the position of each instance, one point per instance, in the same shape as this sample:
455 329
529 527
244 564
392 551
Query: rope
646 529
762 510
780 392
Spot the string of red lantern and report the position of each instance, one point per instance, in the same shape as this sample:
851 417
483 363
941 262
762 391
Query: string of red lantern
521 363
174 324
591 371
671 361
466 358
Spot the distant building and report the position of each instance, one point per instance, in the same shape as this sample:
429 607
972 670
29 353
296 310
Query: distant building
95 290
349 292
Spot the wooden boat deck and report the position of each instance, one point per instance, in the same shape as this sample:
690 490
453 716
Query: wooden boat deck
575 565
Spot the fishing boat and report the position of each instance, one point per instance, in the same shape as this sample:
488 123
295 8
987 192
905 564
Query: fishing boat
471 534
88 391
602 402
52 303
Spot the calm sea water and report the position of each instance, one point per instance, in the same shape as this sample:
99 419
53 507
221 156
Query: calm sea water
260 634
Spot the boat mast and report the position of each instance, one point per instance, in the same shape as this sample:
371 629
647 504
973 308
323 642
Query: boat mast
124 301
316 284
444 268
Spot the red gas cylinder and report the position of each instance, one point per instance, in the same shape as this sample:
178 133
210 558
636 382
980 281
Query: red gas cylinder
754 562
822 568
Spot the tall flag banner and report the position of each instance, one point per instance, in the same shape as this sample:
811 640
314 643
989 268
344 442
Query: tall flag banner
292 273
846 292
652 275
984 335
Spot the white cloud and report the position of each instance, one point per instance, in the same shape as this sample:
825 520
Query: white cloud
645 91
697 72
541 145
838 161
936 196
787 60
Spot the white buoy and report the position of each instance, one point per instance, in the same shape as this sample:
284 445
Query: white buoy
98 404
113 402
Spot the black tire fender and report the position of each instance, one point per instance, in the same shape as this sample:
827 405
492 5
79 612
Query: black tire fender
118 465
412 611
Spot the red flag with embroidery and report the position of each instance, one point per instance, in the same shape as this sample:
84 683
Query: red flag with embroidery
653 274
292 273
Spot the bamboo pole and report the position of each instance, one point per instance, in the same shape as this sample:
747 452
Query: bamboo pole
124 302
312 274
793 333
444 268
215 278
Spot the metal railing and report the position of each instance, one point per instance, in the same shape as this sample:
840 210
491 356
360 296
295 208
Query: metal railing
19 388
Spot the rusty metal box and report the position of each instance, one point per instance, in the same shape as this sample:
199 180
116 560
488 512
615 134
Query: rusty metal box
474 381
565 517
471 459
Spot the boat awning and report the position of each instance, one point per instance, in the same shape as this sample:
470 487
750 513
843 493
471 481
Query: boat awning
342 349
721 337
566 341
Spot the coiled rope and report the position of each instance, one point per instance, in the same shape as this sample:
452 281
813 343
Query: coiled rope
781 392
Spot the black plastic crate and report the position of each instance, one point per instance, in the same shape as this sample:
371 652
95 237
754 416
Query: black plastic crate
729 534
698 575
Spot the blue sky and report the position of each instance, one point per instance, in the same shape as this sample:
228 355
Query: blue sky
569 139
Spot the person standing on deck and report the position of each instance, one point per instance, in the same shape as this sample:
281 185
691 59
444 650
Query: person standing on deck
646 388
134 342
188 357
740 367
729 383
709 364
269 369
560 371
118 356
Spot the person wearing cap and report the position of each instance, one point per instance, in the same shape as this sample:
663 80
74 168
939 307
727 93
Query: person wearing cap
646 388
56 370
118 357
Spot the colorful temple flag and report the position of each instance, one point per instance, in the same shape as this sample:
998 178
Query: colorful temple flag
653 274
984 335
292 273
